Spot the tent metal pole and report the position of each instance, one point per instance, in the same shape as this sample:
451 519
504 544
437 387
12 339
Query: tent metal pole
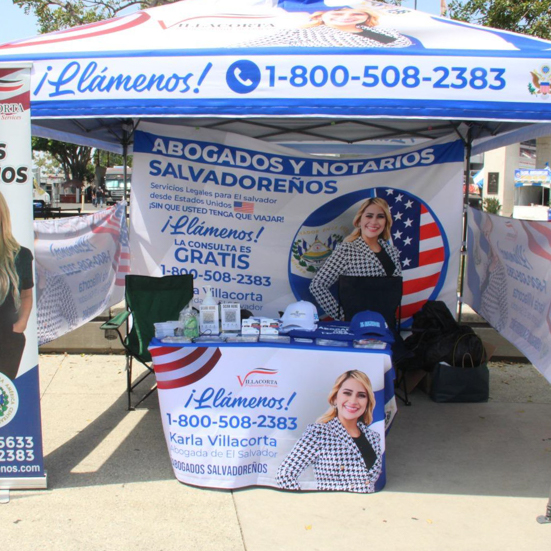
124 173
127 135
468 149
128 129
546 519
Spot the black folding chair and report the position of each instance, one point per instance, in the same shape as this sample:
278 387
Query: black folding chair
382 295
149 300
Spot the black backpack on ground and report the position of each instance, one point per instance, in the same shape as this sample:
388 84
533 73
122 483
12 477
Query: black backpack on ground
436 337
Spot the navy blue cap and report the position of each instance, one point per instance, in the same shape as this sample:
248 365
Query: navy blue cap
368 324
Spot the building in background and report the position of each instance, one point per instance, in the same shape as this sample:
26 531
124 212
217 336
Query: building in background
498 170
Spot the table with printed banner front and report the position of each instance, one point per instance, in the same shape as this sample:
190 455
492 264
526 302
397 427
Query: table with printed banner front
232 412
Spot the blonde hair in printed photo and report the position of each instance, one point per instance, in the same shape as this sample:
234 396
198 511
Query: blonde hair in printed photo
9 248
363 379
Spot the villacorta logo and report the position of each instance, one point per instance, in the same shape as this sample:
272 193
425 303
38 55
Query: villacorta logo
259 377
10 85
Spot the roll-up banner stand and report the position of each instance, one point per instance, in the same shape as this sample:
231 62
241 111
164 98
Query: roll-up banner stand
21 454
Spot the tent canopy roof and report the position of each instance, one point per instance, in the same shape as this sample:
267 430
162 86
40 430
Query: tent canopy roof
287 71
316 135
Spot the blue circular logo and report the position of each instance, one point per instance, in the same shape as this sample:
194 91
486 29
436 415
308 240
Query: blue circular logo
243 76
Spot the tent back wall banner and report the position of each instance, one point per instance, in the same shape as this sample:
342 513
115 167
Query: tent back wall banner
285 58
256 221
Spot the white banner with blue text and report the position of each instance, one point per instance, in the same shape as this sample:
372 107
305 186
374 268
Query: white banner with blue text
81 263
247 415
508 268
256 221
21 453
286 58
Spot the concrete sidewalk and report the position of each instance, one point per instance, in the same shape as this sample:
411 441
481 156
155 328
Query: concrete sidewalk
460 476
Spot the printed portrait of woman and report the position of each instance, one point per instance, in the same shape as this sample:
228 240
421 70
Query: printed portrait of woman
345 453
366 252
16 294
493 306
345 27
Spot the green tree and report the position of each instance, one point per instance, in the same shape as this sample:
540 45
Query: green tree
531 17
74 159
45 161
492 205
54 15
106 158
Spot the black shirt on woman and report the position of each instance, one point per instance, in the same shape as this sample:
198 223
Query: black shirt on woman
366 450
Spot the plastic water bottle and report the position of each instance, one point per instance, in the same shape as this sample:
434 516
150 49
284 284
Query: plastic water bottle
189 321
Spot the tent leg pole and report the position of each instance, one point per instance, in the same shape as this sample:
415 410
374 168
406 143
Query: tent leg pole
468 147
546 519
125 175
128 129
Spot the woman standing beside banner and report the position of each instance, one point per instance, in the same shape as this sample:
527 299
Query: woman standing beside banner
16 295
365 252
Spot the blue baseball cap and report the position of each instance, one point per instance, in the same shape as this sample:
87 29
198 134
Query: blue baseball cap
370 325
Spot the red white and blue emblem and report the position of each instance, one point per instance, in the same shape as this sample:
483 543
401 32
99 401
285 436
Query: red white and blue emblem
177 366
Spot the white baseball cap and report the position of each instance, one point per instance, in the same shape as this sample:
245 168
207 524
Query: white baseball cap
300 315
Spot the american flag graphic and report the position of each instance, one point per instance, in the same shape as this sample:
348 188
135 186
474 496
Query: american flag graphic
115 224
421 242
179 366
539 243
246 207
539 238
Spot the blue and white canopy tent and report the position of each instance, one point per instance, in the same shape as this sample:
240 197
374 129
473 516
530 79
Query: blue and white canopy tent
281 71
260 68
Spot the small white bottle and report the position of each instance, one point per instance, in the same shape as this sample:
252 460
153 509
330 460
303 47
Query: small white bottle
209 314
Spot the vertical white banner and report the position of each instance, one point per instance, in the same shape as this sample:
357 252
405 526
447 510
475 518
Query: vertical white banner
21 456
508 270
81 264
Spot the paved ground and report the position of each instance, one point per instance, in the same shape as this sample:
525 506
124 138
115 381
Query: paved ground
460 476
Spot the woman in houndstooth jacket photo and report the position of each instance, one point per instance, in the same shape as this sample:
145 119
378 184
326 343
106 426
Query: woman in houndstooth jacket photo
345 453
16 294
344 27
365 252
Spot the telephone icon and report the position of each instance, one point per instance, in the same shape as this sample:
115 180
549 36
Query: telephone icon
239 77
243 76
